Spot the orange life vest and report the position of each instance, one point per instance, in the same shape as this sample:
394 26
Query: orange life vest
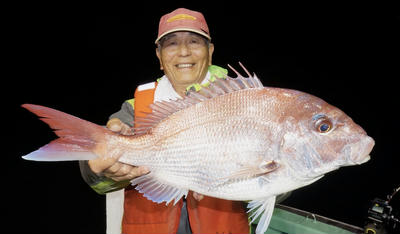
210 215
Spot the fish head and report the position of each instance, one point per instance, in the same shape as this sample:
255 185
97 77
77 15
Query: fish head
323 138
337 138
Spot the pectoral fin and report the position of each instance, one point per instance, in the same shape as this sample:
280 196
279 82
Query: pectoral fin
264 207
248 171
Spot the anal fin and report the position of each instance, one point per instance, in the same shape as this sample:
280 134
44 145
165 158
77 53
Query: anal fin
264 207
157 191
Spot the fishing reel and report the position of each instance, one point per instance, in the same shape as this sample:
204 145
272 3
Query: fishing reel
382 217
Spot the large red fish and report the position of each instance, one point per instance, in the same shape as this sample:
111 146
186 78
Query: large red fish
235 139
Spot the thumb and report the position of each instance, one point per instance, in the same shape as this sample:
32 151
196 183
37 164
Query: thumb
114 125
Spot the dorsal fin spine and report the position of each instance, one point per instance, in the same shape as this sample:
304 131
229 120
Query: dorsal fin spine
226 88
234 85
157 106
245 83
197 96
216 88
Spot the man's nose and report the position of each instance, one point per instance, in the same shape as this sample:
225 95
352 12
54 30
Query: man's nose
184 49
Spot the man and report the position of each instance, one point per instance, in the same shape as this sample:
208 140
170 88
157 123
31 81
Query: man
184 50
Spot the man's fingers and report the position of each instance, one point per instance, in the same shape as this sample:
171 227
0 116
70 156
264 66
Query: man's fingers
119 169
126 130
132 173
100 164
114 169
138 171
118 126
198 196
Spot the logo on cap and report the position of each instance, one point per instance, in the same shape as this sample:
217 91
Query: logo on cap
181 17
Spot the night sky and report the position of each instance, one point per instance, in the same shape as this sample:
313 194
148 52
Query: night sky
87 60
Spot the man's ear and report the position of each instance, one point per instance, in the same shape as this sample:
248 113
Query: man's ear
210 53
158 54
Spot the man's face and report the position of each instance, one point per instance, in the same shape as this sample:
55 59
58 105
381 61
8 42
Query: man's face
184 57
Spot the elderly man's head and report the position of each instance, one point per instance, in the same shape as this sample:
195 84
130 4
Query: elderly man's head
184 48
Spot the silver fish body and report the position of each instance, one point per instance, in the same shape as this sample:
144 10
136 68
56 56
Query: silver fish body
235 140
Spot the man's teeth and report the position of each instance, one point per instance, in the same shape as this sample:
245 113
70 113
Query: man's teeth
184 65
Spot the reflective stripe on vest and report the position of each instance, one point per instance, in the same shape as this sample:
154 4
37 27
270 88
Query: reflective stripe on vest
144 96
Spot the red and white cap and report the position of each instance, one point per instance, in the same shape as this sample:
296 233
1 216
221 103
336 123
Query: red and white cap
183 19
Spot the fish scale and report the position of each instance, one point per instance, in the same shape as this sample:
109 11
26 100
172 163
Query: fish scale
241 142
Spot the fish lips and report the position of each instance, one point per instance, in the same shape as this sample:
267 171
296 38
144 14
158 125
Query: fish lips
361 153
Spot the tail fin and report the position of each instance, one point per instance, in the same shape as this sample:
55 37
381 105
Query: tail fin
77 140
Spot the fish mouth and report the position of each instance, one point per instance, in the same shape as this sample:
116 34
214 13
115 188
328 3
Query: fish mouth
366 159
361 154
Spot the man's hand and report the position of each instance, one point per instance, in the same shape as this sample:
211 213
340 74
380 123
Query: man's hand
109 166
198 196
115 170
116 125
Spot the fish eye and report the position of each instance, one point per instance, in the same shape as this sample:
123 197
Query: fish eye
323 125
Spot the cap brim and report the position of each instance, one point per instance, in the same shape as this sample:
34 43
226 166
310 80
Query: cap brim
183 29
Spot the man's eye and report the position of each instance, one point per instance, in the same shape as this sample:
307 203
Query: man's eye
171 43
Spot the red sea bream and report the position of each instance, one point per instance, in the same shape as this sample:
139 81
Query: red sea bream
235 140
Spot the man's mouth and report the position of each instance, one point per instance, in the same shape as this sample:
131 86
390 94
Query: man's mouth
184 65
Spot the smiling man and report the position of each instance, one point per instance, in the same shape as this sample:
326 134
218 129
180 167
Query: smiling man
185 58
184 50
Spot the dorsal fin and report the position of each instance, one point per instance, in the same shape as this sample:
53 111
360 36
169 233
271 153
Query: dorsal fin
221 86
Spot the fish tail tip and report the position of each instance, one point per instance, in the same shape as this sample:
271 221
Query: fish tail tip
28 157
30 107
26 105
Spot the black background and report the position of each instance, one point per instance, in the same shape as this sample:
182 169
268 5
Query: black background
86 60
